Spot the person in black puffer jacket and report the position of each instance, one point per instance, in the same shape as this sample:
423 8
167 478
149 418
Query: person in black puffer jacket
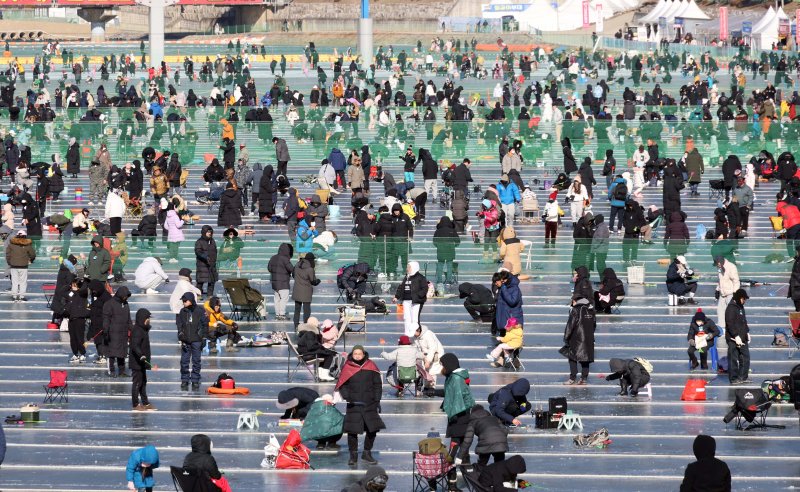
200 459
632 374
492 437
296 402
205 252
493 476
147 228
116 324
479 301
139 359
708 472
280 270
230 207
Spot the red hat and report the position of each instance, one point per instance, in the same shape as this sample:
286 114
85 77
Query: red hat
404 340
511 322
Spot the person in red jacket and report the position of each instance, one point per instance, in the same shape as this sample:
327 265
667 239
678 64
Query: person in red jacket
791 222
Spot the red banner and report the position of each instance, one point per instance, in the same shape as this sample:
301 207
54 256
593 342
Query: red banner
585 14
723 23
25 3
80 3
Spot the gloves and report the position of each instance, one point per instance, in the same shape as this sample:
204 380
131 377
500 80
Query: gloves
709 336
716 295
457 461
691 342
143 359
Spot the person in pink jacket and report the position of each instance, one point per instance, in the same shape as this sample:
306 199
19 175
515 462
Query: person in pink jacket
174 226
491 227
329 334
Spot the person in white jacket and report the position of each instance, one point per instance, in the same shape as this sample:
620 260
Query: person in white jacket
432 350
115 209
727 284
577 195
183 286
405 357
150 275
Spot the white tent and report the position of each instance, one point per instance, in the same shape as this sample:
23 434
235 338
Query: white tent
655 12
691 11
764 20
782 14
767 32
571 13
631 4
539 14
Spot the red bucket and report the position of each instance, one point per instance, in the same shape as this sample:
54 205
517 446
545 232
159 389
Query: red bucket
227 384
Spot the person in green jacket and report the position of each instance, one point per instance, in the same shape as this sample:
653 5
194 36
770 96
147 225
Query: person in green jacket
323 423
457 404
99 262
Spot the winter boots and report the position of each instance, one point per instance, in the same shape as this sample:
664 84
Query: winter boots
230 347
366 456
324 375
353 461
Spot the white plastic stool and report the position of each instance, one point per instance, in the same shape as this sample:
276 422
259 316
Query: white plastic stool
646 390
247 420
570 420
672 300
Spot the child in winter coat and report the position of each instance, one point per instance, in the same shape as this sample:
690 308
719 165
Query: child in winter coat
491 226
329 333
405 360
139 472
492 437
508 344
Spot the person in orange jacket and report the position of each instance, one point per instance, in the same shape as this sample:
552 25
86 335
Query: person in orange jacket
220 325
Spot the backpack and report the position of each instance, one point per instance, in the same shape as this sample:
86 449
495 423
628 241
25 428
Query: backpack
780 338
222 376
376 305
337 365
432 446
621 192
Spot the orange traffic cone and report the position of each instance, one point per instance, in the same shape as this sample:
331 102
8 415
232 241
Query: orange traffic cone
695 390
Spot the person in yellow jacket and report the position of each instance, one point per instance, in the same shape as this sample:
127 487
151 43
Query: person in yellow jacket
508 343
220 325
119 252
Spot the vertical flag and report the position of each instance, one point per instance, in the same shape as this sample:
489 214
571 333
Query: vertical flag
598 10
723 23
585 13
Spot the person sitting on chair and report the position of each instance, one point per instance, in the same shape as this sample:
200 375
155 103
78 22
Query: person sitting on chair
680 281
701 323
309 346
354 280
200 459
511 401
405 364
296 402
508 343
220 325
611 292
632 374
478 301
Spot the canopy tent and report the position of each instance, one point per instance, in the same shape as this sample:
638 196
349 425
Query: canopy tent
690 11
735 21
765 20
766 33
655 13
539 14
571 13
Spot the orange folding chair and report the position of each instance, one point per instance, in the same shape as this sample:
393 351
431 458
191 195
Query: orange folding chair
57 388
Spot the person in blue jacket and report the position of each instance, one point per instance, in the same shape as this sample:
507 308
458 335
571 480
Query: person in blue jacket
306 232
617 196
509 196
509 298
510 401
338 163
139 471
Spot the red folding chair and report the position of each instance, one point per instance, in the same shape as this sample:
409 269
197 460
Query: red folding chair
57 388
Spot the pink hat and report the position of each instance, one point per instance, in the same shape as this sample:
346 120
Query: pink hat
512 322
327 325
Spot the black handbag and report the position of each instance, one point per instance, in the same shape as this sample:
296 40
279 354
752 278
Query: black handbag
564 351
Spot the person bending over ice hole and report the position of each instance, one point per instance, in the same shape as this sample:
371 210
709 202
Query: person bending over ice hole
479 302
492 437
353 280
702 332
374 480
632 374
322 423
139 472
510 401
219 325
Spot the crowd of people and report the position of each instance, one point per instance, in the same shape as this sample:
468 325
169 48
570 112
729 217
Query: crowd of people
387 207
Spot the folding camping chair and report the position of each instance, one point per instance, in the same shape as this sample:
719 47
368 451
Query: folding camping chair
617 304
794 339
134 207
750 406
716 188
429 472
654 227
189 480
406 380
244 301
471 474
57 388
513 361
49 291
312 365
